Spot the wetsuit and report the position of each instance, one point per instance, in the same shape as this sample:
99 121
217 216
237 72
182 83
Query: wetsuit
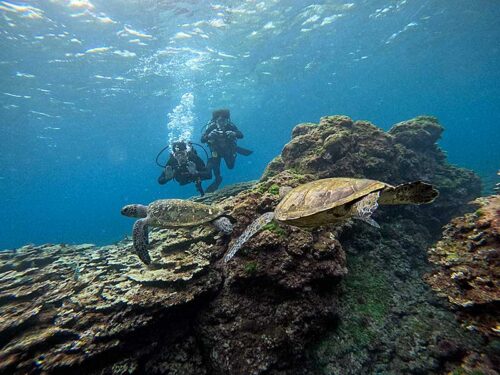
222 143
194 170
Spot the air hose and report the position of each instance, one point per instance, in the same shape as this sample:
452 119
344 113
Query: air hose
167 146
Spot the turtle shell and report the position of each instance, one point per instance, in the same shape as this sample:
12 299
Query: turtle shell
173 213
313 199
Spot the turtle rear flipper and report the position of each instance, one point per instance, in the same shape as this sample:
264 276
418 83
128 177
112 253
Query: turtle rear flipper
140 240
253 228
417 192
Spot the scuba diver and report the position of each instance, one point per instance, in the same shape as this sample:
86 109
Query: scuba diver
185 166
221 135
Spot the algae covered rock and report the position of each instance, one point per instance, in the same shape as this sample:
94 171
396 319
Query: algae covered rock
419 133
468 266
339 147
389 322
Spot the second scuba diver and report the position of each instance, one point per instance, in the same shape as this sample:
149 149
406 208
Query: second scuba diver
185 166
221 135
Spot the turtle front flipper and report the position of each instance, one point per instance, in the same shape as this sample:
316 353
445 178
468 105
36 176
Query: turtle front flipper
417 192
140 240
253 228
364 208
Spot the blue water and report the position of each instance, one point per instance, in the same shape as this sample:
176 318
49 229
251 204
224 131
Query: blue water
87 88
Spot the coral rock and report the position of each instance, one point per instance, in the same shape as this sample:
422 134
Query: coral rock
81 304
420 133
468 265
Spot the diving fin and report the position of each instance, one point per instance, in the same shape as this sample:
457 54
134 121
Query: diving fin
214 185
243 151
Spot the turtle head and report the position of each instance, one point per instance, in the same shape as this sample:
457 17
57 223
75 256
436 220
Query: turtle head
134 210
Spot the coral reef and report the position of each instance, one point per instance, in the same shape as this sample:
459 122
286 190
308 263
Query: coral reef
468 266
390 322
83 308
336 300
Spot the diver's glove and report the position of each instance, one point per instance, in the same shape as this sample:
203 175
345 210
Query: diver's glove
191 167
211 135
169 172
215 134
230 134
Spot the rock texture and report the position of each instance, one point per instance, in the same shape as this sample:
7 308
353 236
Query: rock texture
467 273
468 260
84 309
337 300
389 321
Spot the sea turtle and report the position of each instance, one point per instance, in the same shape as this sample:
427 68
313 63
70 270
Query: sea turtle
171 213
333 200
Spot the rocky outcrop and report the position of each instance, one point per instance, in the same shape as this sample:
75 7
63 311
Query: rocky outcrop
336 300
277 296
389 321
85 309
468 266
467 274
338 146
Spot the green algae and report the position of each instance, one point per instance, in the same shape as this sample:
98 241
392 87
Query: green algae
452 257
480 213
261 188
365 305
426 118
274 189
250 268
274 227
296 172
367 291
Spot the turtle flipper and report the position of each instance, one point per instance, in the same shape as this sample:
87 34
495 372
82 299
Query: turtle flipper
363 209
417 192
140 240
253 228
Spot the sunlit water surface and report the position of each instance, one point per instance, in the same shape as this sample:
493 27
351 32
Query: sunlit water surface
92 90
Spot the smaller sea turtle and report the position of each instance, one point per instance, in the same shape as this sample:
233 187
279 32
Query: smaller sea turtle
171 213
333 200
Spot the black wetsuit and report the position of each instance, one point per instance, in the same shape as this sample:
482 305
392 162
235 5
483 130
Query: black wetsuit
222 143
183 175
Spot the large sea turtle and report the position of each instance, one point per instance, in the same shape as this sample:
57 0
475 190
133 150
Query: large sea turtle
333 200
171 213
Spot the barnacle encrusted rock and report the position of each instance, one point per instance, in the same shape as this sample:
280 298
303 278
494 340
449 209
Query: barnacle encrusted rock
468 266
